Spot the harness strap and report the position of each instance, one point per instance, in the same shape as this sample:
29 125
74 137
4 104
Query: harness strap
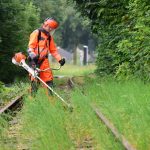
39 38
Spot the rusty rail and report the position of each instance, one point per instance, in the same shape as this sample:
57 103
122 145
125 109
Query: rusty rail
12 103
100 115
109 125
112 128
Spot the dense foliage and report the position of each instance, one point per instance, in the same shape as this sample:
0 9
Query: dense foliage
123 27
16 21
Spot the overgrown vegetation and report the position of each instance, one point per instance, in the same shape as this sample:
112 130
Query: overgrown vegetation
46 129
3 129
44 121
8 93
53 127
123 27
126 104
67 70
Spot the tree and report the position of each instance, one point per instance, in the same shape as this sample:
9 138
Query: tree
16 22
72 26
135 42
123 28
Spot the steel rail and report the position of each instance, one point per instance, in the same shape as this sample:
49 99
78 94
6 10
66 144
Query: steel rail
11 104
109 125
17 99
113 129
97 111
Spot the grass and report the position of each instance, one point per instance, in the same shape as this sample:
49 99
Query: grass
45 124
126 104
3 133
8 93
85 125
72 70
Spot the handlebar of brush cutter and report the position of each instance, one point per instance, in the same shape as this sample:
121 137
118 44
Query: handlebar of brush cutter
39 70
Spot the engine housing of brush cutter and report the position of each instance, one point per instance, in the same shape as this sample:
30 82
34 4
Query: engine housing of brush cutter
18 58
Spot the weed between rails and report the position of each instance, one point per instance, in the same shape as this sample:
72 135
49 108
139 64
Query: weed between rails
10 92
45 125
126 104
87 127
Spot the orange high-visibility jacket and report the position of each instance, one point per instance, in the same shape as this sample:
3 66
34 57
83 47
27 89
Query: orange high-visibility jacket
45 47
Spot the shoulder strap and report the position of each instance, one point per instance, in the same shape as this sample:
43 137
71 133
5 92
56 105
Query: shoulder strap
39 37
49 39
45 32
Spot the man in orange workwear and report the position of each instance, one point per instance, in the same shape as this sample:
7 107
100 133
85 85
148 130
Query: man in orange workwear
41 43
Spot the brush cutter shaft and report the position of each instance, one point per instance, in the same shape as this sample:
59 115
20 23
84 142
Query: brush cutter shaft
34 73
50 69
53 91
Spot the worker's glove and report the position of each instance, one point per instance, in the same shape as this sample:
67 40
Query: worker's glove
33 57
62 61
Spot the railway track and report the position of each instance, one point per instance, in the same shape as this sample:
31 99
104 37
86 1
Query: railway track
12 105
17 101
113 130
125 143
87 143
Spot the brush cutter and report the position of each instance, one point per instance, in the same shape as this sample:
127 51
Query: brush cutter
19 59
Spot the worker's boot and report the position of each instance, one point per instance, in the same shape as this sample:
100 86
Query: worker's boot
34 87
49 93
50 84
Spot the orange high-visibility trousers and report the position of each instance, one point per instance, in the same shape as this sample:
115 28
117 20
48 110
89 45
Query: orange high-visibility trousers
46 75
